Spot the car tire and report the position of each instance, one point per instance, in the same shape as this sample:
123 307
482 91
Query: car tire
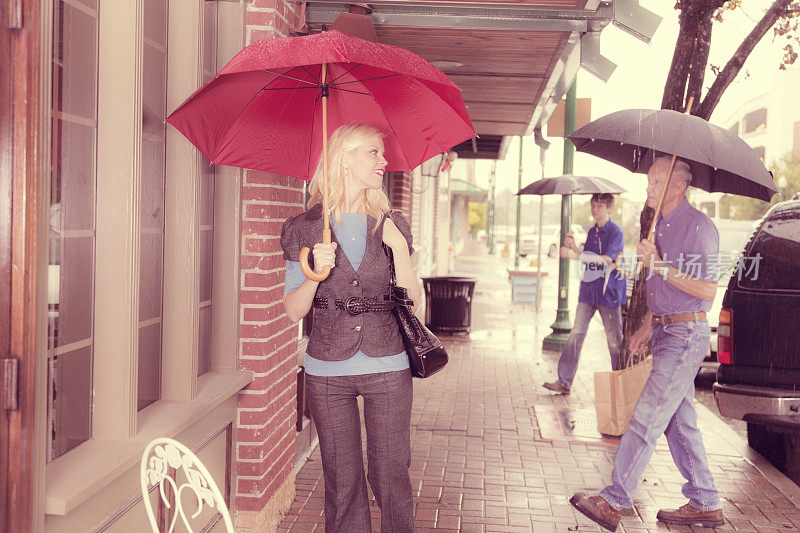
768 443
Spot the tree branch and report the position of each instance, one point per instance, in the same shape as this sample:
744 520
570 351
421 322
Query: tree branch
697 71
735 63
675 88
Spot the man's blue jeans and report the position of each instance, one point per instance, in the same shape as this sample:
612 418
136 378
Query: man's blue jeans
612 322
665 406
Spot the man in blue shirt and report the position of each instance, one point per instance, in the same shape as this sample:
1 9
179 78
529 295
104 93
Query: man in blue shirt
602 289
682 263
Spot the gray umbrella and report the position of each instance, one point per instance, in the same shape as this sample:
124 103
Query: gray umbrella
571 184
720 160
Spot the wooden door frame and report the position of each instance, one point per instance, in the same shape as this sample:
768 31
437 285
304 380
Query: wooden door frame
20 129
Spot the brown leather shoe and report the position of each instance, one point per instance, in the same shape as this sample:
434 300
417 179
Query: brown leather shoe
688 515
556 386
598 509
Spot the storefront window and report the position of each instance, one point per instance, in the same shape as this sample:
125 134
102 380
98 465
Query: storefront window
151 235
71 223
207 176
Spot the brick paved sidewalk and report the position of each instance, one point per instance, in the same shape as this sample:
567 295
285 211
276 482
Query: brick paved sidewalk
480 462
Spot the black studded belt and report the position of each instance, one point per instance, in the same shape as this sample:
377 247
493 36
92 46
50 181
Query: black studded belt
355 306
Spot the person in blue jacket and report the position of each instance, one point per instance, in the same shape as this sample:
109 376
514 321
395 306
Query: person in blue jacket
602 290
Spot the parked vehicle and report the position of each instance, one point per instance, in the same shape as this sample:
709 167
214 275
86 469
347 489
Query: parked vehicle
733 236
758 379
551 237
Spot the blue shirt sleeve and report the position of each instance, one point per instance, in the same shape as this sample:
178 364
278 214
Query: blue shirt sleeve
294 277
701 255
616 244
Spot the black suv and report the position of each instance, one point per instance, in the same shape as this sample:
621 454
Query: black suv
758 344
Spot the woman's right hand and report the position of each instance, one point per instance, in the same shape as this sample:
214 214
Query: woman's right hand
324 255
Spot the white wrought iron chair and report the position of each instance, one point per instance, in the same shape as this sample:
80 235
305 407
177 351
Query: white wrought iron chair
164 457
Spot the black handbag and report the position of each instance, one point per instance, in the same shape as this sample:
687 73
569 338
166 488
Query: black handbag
426 354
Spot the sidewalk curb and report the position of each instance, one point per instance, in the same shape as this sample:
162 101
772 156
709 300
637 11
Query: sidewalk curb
785 486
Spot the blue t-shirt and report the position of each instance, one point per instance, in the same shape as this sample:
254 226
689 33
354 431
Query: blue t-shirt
352 237
609 241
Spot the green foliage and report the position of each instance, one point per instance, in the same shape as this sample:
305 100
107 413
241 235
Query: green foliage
477 217
741 208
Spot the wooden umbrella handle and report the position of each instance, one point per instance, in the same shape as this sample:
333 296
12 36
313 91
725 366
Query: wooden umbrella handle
310 274
652 231
326 221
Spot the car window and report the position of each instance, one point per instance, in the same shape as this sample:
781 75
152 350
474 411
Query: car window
773 258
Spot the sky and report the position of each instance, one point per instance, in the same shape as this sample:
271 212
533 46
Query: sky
638 82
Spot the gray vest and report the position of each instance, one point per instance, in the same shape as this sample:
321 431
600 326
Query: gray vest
335 334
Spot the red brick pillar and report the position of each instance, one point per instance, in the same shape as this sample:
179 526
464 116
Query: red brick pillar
400 192
265 436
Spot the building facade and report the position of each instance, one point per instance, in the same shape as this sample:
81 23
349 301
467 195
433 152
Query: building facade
141 286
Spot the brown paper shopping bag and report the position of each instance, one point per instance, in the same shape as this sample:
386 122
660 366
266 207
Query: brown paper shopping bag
616 394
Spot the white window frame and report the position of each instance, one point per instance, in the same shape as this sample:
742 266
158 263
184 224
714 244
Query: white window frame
120 433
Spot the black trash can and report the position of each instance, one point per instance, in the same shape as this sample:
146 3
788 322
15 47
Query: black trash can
449 303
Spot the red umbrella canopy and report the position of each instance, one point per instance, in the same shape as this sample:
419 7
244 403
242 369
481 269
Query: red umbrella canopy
263 110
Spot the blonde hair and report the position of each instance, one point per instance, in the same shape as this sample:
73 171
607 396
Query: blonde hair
346 138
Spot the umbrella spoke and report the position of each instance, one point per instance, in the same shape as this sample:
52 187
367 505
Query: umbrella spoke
310 74
309 161
370 79
337 78
265 88
309 83
351 91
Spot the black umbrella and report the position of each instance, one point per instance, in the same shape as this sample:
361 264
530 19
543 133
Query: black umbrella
719 159
571 184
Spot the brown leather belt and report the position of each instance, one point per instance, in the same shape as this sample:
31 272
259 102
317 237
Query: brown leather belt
671 319
354 306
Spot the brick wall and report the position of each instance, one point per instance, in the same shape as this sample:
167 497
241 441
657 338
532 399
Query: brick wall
267 19
400 192
265 447
416 200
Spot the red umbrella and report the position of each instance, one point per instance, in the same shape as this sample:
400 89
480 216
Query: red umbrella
266 109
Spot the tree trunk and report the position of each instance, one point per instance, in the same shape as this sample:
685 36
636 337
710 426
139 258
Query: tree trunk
697 71
675 88
637 305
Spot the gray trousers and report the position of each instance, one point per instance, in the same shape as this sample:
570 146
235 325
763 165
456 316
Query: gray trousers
387 418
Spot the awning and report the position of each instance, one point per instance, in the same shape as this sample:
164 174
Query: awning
469 191
513 63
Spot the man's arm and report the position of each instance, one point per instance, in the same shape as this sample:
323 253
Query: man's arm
705 290
639 339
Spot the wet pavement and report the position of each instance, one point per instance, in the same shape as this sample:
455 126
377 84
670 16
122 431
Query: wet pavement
493 451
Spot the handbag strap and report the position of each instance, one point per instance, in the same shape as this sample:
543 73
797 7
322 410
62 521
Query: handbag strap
388 251
390 255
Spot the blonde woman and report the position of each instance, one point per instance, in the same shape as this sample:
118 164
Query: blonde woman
355 347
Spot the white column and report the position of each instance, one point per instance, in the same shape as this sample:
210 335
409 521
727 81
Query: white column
181 220
119 141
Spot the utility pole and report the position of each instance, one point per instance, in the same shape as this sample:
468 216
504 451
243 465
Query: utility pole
519 204
491 209
562 326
